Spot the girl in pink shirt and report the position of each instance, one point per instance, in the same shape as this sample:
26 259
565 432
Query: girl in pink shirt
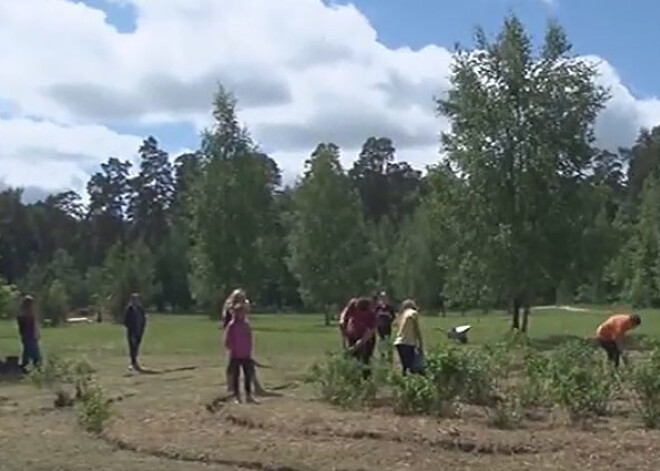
238 341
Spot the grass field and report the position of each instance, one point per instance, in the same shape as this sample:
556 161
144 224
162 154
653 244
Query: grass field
161 421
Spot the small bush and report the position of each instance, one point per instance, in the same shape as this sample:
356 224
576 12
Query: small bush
8 300
646 383
462 373
54 372
340 381
580 383
54 303
95 410
417 394
536 387
507 414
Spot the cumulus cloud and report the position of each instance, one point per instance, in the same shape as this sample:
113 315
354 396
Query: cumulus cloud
303 71
39 153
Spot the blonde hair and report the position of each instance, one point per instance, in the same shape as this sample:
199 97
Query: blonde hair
231 299
408 304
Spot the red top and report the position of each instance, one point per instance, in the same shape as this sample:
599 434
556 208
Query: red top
615 327
355 323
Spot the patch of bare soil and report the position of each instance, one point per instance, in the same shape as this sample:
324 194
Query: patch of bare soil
296 434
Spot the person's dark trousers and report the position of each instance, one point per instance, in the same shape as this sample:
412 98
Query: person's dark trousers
613 352
384 330
134 340
31 352
247 365
364 354
407 356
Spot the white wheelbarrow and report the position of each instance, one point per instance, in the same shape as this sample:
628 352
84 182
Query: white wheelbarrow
459 333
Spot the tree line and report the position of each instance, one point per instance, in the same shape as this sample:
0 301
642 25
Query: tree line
522 208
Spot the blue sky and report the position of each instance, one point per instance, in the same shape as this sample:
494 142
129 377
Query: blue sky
87 80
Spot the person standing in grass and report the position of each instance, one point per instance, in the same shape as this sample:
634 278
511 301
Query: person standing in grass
238 341
28 329
357 325
610 334
408 342
238 297
135 321
384 318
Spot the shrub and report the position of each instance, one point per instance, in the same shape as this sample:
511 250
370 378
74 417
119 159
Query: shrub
506 414
462 373
54 372
95 410
580 383
340 381
536 387
54 303
417 394
646 383
8 300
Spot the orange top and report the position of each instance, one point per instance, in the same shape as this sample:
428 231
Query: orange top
615 327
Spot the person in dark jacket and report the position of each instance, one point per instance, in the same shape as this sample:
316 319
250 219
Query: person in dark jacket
135 321
28 329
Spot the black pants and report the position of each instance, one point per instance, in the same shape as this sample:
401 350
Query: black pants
613 352
363 354
384 331
235 366
407 355
134 340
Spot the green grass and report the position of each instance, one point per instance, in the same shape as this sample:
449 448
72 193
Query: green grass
288 343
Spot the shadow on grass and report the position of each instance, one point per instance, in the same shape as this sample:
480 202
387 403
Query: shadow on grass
149 371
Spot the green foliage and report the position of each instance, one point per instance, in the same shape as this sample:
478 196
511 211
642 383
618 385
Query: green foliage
126 270
517 202
646 384
340 381
581 383
329 249
95 410
508 413
462 373
418 394
54 304
232 208
57 373
536 387
8 300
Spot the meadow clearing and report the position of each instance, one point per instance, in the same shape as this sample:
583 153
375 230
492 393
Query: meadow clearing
176 419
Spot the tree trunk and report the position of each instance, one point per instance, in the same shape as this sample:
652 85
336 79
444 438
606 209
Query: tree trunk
515 312
327 316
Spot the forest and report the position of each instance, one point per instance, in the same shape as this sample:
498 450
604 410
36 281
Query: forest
520 207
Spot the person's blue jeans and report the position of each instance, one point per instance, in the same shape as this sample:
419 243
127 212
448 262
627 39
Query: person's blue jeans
31 352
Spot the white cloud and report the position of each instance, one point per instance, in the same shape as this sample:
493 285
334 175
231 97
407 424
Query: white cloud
304 72
53 156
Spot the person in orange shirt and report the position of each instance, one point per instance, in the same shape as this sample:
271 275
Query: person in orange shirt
611 332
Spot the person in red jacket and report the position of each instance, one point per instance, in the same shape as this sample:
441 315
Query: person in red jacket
357 324
610 334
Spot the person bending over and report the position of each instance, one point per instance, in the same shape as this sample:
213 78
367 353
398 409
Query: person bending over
610 334
357 325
